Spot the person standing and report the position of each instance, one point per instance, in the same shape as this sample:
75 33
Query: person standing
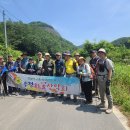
93 62
47 68
24 62
71 67
3 74
77 55
18 65
39 63
10 65
31 67
104 75
59 65
84 71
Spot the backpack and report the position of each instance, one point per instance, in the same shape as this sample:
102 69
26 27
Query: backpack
113 70
92 75
104 65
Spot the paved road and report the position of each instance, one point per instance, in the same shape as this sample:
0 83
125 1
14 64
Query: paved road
26 113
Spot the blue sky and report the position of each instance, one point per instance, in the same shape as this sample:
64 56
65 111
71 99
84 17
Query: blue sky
76 20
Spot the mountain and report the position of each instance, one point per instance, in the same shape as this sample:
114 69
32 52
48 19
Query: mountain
122 41
34 37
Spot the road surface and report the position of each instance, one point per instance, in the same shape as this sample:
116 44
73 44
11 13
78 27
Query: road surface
25 113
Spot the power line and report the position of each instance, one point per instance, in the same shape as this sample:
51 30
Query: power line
10 13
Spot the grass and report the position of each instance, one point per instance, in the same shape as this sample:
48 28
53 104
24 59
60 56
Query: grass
121 88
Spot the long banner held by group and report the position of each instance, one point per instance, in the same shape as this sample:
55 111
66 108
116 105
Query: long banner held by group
51 84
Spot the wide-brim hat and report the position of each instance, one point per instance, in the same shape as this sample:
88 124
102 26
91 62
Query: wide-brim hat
81 58
76 54
1 57
10 55
47 54
102 50
30 58
67 53
58 54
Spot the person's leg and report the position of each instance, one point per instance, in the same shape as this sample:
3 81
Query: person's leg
4 84
84 85
102 89
89 91
10 89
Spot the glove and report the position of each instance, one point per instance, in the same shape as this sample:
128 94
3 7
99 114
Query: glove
108 83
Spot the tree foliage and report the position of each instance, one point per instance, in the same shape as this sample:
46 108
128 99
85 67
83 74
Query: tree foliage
34 37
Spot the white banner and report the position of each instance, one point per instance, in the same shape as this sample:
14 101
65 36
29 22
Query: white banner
51 84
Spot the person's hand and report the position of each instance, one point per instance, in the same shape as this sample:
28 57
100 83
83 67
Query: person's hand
108 82
49 69
42 70
80 73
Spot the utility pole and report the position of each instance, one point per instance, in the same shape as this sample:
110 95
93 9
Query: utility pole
5 32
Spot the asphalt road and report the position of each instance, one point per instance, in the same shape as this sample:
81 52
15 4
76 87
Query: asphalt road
25 113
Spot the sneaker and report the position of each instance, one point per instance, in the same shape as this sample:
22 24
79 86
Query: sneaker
101 105
75 100
108 111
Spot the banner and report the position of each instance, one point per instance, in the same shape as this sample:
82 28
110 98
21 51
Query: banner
51 84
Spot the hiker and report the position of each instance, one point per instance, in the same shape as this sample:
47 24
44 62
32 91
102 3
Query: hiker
59 65
48 65
84 71
18 65
3 74
77 55
30 67
10 65
39 63
47 68
104 75
70 69
93 61
24 62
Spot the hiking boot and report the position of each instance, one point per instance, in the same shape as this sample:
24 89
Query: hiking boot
101 105
108 111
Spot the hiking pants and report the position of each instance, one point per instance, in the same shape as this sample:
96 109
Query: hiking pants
87 89
102 91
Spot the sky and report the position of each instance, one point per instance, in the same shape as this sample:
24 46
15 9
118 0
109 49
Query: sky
76 20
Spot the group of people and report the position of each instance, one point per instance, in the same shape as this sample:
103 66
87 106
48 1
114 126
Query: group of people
94 75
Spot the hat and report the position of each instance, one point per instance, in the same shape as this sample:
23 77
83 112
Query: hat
10 55
39 53
47 54
58 54
93 51
82 58
24 53
76 54
30 58
102 50
19 58
1 57
67 53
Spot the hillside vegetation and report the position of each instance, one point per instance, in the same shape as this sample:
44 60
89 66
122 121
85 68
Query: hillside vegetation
34 37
